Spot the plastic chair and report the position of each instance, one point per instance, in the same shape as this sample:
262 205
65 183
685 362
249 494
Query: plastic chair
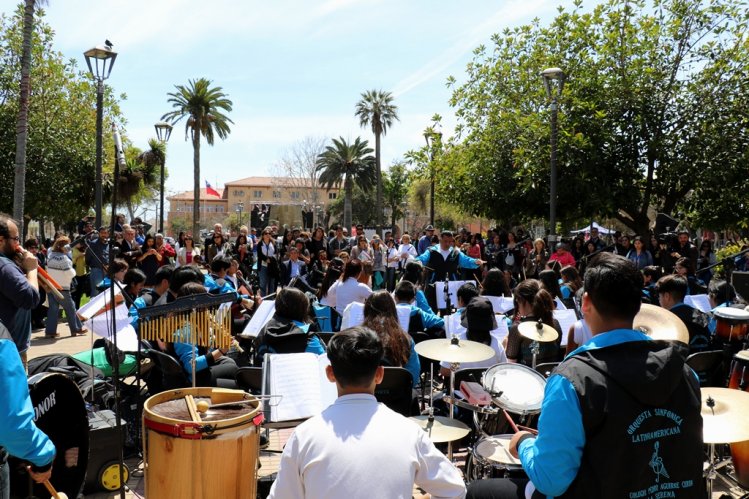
250 379
395 390
710 367
325 337
324 317
166 374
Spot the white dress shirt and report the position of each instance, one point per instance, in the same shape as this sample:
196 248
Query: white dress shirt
358 447
349 291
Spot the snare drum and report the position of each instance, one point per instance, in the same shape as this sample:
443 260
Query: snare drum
740 450
515 388
732 324
491 458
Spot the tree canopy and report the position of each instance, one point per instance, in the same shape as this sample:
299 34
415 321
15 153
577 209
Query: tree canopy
653 115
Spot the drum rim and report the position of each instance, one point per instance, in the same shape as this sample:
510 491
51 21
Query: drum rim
742 355
218 425
515 408
731 313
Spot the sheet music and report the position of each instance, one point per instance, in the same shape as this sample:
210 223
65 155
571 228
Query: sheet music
700 302
566 318
97 303
259 319
452 287
299 378
453 325
404 315
353 315
501 304
101 325
560 305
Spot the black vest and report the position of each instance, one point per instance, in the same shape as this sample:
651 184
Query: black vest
442 268
640 407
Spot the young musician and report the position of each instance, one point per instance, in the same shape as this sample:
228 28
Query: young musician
358 446
621 414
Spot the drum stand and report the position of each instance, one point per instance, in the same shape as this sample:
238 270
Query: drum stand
535 350
454 366
711 473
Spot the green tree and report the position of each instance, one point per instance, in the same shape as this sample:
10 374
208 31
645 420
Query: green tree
376 109
344 163
396 183
361 206
203 108
22 125
651 112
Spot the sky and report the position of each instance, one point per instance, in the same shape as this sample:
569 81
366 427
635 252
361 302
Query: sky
293 69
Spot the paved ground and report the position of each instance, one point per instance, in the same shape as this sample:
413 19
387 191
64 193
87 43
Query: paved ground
269 459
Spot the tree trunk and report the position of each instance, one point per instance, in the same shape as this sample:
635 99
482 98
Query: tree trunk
196 184
378 216
22 125
347 193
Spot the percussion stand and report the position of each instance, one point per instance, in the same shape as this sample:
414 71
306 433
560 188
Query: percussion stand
711 473
535 350
454 366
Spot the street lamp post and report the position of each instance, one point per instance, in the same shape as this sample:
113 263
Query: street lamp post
163 132
404 209
100 60
553 83
240 207
429 135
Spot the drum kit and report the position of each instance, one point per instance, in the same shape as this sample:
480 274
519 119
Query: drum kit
514 388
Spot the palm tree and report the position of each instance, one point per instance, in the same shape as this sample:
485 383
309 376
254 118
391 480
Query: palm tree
376 109
154 158
204 109
22 124
346 163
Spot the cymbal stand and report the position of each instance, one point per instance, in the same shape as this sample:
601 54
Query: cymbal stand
535 350
454 366
711 473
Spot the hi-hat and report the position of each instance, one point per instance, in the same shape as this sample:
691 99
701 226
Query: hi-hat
441 429
660 324
454 350
537 331
725 422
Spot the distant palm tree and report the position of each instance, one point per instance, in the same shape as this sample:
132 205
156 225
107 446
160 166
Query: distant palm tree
204 109
343 163
152 160
22 124
377 110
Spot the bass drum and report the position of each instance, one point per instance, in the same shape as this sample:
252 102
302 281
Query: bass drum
740 450
60 412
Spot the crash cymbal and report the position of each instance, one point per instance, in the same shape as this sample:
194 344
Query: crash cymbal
454 350
441 429
660 324
537 331
726 421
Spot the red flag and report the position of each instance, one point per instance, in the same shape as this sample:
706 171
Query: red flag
210 190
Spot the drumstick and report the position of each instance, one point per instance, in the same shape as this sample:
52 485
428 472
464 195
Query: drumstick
529 430
53 492
509 420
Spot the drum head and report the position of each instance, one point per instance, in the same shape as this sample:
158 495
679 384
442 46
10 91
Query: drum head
60 412
515 387
731 314
496 449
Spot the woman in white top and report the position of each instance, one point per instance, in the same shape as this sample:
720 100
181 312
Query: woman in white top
393 261
578 334
407 250
349 289
187 253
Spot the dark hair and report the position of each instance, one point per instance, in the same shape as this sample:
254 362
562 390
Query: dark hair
494 284
353 269
148 237
118 265
5 221
331 276
133 276
164 272
550 282
381 316
614 286
555 267
673 284
414 272
721 290
686 263
292 304
405 291
191 288
183 275
653 272
466 292
572 278
355 354
220 263
542 304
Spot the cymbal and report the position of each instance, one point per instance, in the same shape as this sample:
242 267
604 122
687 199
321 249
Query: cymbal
537 331
454 350
441 429
726 422
660 324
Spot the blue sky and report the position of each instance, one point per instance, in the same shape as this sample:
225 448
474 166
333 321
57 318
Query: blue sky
292 68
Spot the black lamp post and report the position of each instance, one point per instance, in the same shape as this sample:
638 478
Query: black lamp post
404 206
240 207
553 83
163 132
429 135
100 60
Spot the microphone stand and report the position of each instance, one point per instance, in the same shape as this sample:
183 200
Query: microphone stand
446 290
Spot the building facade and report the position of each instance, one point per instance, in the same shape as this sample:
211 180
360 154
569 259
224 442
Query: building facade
212 210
